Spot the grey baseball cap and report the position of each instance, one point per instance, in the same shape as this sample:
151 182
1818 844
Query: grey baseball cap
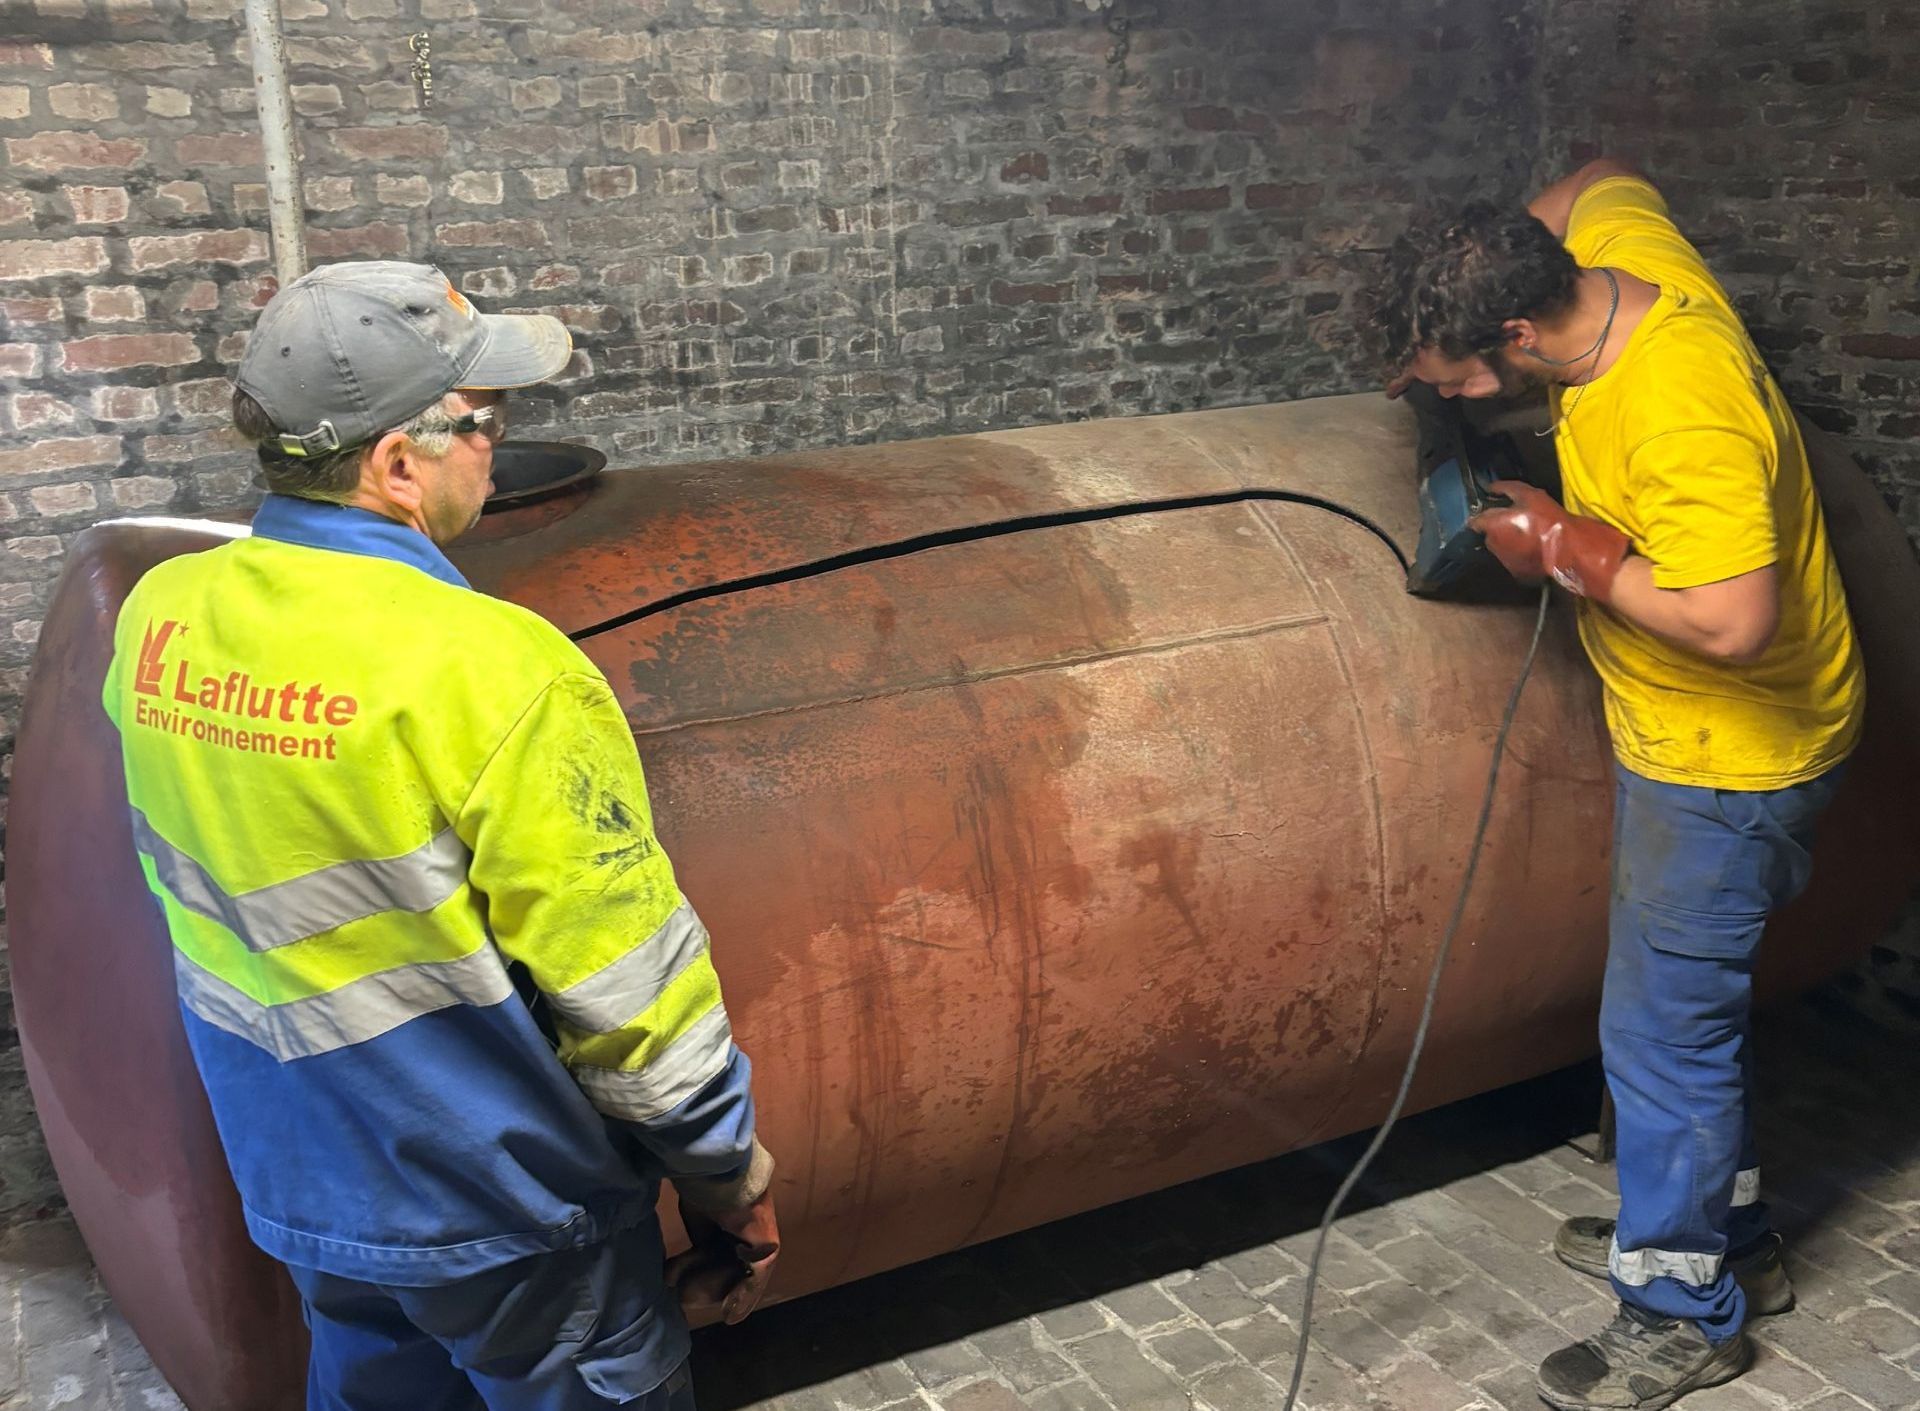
348 351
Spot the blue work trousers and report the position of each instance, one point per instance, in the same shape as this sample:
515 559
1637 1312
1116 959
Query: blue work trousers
578 1330
1695 873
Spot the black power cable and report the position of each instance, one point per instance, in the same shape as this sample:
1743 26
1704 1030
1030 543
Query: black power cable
1426 1012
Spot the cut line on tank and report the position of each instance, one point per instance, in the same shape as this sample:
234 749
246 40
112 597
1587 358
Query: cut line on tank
973 533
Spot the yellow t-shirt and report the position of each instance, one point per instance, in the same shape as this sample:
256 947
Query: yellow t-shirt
1687 445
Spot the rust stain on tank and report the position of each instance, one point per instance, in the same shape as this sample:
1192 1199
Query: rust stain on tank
1171 860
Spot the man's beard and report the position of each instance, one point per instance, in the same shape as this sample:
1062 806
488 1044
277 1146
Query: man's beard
1519 381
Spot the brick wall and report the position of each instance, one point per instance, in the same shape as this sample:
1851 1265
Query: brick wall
769 223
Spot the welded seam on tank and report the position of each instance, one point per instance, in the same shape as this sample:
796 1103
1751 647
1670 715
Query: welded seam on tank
973 533
1377 1001
1000 673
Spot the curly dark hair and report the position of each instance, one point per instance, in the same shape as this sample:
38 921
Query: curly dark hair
1455 276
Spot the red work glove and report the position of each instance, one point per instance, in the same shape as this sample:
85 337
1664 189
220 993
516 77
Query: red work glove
735 1243
1536 538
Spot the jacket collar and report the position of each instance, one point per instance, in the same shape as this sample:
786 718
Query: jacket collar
315 524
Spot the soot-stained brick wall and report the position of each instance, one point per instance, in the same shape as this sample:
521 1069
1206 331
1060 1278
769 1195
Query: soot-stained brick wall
769 223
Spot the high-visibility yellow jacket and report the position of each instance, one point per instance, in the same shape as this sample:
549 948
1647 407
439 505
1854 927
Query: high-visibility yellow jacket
370 801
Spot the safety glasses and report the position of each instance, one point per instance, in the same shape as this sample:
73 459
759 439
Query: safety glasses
489 421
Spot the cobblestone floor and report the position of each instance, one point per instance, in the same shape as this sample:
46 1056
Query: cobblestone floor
1439 1292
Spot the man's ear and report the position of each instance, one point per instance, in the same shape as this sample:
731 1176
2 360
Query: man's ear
391 472
1523 333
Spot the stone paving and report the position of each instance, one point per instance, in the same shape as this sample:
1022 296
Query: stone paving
1438 1294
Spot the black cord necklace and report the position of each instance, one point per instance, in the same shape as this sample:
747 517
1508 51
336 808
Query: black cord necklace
1599 345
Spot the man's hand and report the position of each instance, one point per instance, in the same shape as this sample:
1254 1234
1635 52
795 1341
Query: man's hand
1536 538
726 1272
735 1242
1397 388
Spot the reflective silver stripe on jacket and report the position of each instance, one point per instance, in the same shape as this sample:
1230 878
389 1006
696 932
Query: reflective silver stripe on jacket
617 993
317 902
688 1064
359 1010
1746 1186
1639 1267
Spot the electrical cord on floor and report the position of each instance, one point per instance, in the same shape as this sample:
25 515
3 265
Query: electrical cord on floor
1426 1011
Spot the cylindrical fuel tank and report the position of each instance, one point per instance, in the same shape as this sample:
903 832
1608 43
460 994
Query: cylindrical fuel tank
1075 811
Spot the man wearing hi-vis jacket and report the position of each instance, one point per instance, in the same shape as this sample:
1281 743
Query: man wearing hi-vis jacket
454 1017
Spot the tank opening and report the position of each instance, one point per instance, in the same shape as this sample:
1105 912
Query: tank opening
524 471
919 543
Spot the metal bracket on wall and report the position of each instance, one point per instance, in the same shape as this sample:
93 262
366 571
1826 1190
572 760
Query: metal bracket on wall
422 70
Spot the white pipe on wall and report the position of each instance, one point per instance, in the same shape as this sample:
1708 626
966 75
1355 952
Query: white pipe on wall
284 203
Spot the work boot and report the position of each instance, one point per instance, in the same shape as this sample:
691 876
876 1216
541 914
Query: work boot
1639 1363
1585 1241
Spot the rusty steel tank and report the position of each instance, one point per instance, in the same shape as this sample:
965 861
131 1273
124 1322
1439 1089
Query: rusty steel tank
1075 810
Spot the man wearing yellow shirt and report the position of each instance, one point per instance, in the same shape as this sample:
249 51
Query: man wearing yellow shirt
1711 607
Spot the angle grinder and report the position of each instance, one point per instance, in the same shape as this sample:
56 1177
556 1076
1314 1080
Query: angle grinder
1458 463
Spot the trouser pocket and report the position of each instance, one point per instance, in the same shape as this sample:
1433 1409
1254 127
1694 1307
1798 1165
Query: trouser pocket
1699 935
1714 853
625 1366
